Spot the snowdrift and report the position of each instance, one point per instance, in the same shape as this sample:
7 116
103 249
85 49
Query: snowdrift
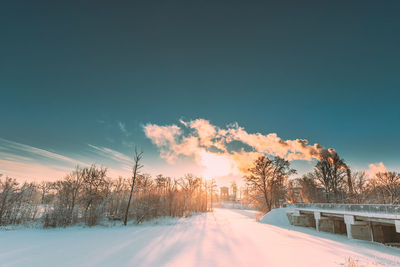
276 217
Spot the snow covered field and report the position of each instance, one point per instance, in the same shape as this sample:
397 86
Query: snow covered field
226 237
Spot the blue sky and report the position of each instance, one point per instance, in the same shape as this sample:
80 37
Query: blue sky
71 73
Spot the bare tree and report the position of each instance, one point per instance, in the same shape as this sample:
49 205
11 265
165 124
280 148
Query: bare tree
8 189
267 178
87 195
136 167
360 187
145 205
330 172
68 192
95 189
44 188
119 191
189 185
18 204
308 188
388 184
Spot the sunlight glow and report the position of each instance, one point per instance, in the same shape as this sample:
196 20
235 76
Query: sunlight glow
216 165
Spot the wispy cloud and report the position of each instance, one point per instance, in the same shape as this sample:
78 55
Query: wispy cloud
28 162
31 163
112 154
117 163
123 129
7 145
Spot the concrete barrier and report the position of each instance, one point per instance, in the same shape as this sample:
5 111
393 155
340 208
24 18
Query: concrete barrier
380 223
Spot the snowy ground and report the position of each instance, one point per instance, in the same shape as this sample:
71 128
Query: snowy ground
227 237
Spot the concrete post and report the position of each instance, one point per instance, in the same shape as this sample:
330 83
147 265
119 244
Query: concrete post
397 224
371 229
349 220
317 217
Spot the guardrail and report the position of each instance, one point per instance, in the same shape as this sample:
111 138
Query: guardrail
367 208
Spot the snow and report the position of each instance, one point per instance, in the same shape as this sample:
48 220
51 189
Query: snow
276 217
226 237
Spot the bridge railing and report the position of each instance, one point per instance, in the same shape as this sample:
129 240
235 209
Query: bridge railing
365 208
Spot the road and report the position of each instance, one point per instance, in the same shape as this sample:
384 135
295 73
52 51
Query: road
226 237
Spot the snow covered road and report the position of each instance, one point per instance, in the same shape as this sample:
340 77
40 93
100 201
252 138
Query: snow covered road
226 237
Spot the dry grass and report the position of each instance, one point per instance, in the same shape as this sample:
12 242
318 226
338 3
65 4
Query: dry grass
353 262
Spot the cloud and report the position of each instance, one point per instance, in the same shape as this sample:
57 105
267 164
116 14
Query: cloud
113 154
6 145
375 168
205 131
122 127
27 162
164 137
231 147
117 163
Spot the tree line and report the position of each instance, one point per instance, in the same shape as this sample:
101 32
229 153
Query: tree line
87 195
268 184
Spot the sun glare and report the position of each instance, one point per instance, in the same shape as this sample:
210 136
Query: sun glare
216 165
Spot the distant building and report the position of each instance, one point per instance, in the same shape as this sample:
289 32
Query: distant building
224 193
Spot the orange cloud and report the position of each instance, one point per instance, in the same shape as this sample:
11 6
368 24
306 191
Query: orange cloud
375 168
244 160
207 143
205 131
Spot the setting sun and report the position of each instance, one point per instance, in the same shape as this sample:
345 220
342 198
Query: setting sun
216 165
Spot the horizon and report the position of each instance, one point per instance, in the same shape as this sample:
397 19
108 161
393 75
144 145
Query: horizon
195 147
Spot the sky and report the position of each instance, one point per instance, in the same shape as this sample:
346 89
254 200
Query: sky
83 82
